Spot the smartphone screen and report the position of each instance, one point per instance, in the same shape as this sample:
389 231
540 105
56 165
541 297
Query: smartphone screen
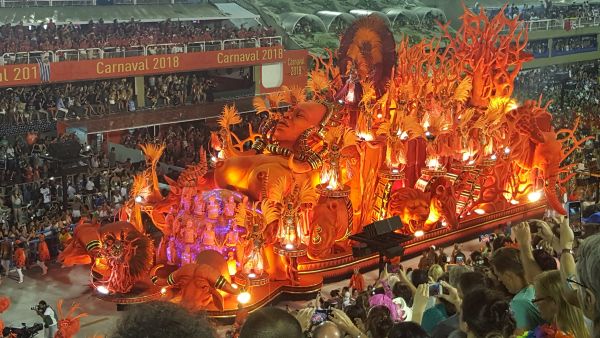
435 289
574 209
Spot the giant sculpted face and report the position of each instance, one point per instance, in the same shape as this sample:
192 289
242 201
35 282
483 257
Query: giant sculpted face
294 122
247 171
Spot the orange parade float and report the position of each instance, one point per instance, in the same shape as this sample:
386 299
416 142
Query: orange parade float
427 132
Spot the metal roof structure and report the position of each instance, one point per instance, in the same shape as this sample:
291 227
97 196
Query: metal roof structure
329 17
145 13
289 21
365 12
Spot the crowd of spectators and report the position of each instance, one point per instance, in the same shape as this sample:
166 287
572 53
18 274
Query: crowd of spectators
46 205
184 140
574 44
539 48
549 10
82 100
49 36
178 89
23 105
573 89
534 279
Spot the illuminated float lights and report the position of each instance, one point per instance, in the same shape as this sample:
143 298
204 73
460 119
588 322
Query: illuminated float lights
251 279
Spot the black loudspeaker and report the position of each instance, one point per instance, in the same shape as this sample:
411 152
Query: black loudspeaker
65 150
383 227
396 251
361 251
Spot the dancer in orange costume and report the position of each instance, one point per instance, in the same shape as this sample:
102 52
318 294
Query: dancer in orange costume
68 325
20 258
43 254
357 282
4 305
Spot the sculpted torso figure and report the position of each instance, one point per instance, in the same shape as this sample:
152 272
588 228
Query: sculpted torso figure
208 236
229 208
212 209
199 206
232 238
245 171
189 233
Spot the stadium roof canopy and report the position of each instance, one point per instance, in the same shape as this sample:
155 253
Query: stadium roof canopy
436 13
290 20
407 15
365 12
145 13
329 17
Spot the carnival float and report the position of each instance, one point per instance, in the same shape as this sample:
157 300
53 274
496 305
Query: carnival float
428 132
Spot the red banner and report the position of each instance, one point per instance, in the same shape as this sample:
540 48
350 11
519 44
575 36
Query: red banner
70 71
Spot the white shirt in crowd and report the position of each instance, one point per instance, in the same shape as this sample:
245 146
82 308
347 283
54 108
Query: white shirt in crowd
89 186
123 192
45 191
71 191
50 312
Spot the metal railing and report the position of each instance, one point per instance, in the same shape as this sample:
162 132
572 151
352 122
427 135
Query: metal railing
120 52
26 57
568 23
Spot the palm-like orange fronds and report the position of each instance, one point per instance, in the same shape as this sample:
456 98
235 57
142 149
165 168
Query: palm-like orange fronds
229 116
368 94
153 152
463 90
410 125
259 104
140 186
297 94
318 81
278 191
270 212
307 194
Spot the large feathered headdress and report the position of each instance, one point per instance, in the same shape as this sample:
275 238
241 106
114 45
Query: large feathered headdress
369 46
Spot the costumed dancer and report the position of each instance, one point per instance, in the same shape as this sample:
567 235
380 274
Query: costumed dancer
357 282
4 305
43 254
20 259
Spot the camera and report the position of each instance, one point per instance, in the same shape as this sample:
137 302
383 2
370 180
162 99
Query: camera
24 331
36 308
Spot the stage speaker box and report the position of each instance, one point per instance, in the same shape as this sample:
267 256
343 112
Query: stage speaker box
64 151
361 251
396 251
383 227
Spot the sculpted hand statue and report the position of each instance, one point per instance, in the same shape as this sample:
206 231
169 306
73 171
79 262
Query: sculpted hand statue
199 283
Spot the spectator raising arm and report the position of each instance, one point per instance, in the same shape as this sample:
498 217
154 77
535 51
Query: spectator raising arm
523 237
